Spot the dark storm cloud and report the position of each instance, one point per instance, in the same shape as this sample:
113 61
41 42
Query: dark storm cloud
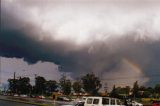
21 39
18 39
15 43
100 58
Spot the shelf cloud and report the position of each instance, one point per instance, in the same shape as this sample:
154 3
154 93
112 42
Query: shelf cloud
104 37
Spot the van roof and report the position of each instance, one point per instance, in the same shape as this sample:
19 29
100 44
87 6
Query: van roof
100 97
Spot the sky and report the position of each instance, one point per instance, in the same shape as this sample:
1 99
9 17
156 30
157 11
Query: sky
118 40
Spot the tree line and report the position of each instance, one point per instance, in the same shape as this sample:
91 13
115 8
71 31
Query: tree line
136 92
88 83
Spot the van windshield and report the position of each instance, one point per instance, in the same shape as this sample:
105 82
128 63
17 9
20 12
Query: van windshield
105 101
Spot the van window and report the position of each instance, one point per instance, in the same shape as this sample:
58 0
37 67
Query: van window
105 101
89 101
113 102
95 101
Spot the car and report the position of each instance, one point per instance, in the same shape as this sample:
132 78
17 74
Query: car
23 95
156 103
15 95
80 104
134 103
40 97
80 100
5 94
63 99
32 96
102 101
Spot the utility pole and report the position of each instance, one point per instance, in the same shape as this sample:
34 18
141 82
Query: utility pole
14 77
14 80
0 71
0 74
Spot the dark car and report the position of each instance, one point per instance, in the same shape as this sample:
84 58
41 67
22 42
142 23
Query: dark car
63 99
80 104
156 103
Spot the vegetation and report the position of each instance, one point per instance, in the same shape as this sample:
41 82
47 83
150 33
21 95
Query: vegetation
135 89
136 92
13 85
51 86
20 86
77 86
65 85
88 83
157 88
40 85
91 84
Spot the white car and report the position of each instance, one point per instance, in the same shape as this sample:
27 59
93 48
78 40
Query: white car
24 96
15 95
134 103
102 101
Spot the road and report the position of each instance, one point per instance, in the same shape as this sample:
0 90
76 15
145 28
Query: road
9 103
3 101
19 101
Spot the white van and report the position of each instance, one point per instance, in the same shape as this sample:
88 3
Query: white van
102 101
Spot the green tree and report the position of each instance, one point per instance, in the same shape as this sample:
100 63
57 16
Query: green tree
119 92
24 86
127 90
40 85
146 94
20 86
13 85
65 85
113 92
151 90
142 88
135 90
157 88
51 86
77 86
91 84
